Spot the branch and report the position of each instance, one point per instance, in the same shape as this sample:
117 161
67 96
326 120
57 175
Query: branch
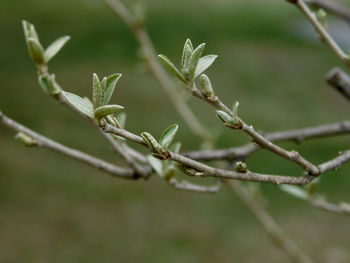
209 171
333 7
121 149
339 80
329 207
47 143
263 142
269 224
187 186
298 135
336 162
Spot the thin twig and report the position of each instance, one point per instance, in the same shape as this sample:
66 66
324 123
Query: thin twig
47 143
270 225
336 162
263 142
329 207
188 186
297 135
324 35
121 149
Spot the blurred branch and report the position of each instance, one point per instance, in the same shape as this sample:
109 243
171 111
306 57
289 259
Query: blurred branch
339 80
121 149
276 234
188 186
333 7
329 207
158 72
323 34
47 143
297 135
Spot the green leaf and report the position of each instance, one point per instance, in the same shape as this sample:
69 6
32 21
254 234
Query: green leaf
295 191
111 82
224 116
49 85
36 50
171 67
204 63
175 147
105 110
152 143
235 112
55 47
194 60
97 92
29 30
168 136
121 119
156 164
83 105
205 86
186 54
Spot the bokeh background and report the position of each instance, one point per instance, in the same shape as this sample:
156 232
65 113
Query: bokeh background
53 209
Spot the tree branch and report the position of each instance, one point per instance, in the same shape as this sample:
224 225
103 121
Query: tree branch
188 186
47 143
298 135
263 142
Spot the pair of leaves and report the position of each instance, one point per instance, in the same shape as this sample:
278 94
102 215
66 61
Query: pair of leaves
102 93
36 50
228 119
192 65
165 140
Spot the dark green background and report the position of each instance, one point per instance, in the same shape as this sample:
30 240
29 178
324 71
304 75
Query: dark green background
53 209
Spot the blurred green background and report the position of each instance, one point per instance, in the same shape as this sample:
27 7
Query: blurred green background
53 209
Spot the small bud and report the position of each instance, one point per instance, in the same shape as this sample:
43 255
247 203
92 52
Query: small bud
322 18
190 171
25 139
241 167
205 86
223 116
152 143
49 85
